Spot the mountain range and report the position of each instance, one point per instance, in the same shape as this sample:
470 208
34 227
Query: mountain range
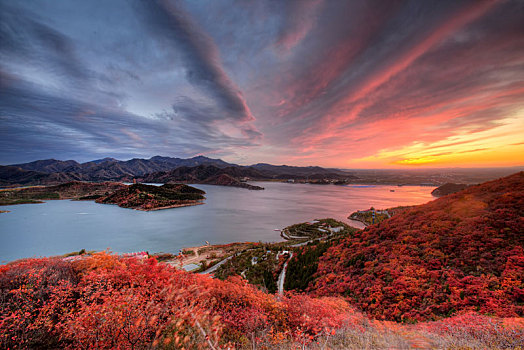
156 169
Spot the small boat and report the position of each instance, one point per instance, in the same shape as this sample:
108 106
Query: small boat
277 230
391 190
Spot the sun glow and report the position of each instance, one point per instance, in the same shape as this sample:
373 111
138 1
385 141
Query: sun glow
499 146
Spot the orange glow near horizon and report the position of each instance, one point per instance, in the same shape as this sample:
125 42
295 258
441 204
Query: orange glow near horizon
497 147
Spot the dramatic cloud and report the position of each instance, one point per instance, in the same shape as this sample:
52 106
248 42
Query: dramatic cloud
201 56
72 128
300 19
361 83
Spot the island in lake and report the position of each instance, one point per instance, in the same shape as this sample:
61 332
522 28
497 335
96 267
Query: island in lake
136 196
150 197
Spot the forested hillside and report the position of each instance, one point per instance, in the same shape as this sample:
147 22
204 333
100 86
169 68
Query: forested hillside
460 252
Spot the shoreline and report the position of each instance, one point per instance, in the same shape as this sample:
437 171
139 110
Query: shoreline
359 220
166 207
91 200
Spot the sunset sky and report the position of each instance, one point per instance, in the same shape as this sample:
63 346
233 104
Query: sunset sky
349 84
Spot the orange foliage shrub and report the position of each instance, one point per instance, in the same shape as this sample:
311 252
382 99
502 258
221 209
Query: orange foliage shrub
104 301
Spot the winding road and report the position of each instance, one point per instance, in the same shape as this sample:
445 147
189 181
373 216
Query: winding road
221 262
217 265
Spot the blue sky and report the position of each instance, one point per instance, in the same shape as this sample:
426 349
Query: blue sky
333 83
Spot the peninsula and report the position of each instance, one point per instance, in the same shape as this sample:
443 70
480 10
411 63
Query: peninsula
448 188
71 190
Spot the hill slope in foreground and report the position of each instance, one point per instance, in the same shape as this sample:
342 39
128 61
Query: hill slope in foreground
105 301
460 252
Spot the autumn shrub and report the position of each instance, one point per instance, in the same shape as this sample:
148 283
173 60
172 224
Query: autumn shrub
101 302
106 301
25 288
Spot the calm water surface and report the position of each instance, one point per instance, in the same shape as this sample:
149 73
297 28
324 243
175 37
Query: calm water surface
228 215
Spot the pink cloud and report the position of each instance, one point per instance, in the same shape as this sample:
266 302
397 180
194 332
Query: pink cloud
301 20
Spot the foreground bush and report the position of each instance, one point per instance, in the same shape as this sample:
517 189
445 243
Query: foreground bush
104 301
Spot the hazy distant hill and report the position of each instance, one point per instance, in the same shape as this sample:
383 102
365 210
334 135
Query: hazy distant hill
113 169
12 175
293 172
51 166
209 174
464 251
106 159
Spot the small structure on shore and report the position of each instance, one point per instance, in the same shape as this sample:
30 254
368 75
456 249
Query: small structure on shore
336 229
138 255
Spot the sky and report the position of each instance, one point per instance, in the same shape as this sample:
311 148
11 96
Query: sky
348 84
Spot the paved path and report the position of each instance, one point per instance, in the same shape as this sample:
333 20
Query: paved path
306 242
216 266
282 276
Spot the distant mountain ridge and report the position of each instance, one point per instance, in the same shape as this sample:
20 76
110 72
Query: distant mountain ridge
106 159
293 171
208 174
156 169
110 167
15 176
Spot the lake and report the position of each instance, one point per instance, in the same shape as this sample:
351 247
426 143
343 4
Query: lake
228 215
